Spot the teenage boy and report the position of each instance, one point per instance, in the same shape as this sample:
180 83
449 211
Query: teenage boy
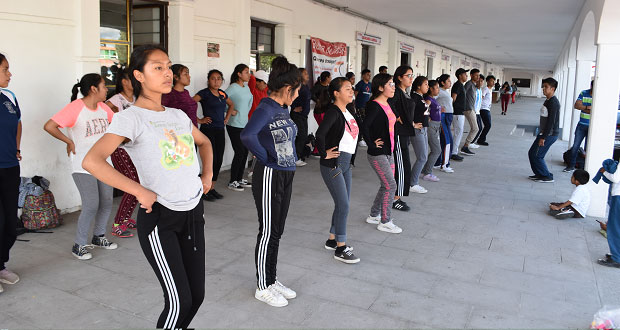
383 69
548 132
485 110
362 95
458 104
478 107
612 259
470 110
583 103
578 203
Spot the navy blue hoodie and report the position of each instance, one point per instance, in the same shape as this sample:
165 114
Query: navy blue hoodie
270 135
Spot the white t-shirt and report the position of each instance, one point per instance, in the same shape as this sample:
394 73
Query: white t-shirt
121 102
478 103
85 127
581 199
487 98
351 133
445 100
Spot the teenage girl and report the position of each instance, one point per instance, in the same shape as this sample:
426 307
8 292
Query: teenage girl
336 139
86 121
420 139
242 97
171 218
270 136
10 156
178 97
122 99
506 95
433 131
214 101
444 99
378 129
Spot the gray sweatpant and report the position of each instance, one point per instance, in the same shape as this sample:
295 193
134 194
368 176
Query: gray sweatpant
96 205
384 167
433 132
420 147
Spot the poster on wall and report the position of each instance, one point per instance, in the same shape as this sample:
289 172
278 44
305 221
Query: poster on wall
213 55
328 56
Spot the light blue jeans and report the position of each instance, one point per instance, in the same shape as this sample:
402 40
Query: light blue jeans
338 182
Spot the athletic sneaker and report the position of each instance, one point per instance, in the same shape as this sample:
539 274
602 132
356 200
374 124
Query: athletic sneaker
287 293
216 194
208 197
533 177
300 163
245 183
362 143
436 167
430 177
400 205
474 146
565 213
121 230
373 220
389 227
102 242
271 297
466 151
568 169
482 143
235 186
447 169
80 252
418 189
608 262
332 245
346 256
8 277
457 158
544 180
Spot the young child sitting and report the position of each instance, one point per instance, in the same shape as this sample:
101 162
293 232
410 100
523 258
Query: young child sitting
578 203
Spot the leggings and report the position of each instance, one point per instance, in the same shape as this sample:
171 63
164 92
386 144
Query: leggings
420 147
505 101
96 206
402 165
173 242
123 164
272 190
382 205
433 131
302 132
485 115
218 141
338 182
9 191
241 154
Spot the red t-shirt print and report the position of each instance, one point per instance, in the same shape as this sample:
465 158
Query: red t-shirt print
352 128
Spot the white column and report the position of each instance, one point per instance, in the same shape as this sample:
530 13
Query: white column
602 129
87 37
283 40
393 51
243 26
582 81
568 101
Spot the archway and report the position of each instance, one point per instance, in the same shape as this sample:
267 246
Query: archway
567 116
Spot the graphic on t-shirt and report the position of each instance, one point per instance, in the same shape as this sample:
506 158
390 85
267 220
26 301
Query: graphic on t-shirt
176 150
282 142
96 126
544 112
352 128
9 106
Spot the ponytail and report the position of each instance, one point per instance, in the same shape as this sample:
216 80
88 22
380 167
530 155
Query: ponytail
74 91
88 80
139 57
283 74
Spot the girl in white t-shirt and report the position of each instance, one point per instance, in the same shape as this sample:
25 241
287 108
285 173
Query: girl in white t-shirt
86 120
123 99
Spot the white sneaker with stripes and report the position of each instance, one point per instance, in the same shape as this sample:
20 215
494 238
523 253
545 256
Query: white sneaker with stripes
283 290
271 297
373 220
389 227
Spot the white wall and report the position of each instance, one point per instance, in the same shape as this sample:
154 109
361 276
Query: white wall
535 80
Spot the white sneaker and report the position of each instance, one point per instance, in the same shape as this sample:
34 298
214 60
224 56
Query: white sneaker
245 183
287 293
436 167
271 297
389 227
362 144
447 169
474 146
300 163
373 220
418 189
235 186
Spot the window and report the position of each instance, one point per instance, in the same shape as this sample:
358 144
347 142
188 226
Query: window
365 51
262 45
404 58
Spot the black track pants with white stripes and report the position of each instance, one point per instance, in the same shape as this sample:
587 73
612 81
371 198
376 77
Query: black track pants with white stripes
272 194
402 165
174 244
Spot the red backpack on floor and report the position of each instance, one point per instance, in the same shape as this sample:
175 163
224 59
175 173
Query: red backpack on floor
40 212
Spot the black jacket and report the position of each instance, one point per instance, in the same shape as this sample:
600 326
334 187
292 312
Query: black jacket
419 108
376 126
330 132
403 108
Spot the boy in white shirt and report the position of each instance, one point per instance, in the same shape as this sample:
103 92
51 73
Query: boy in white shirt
612 259
577 205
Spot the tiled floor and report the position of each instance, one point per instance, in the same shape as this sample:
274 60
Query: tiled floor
477 251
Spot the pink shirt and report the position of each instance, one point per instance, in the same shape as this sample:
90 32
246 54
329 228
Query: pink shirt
392 121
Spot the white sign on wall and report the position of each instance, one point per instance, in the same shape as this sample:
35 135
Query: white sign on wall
430 53
406 47
445 57
367 38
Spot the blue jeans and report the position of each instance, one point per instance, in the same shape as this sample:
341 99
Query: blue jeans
338 182
446 140
613 228
581 133
537 156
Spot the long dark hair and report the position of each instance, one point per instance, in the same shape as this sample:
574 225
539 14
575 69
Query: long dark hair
212 72
419 80
139 57
122 73
400 71
442 79
378 81
176 72
2 58
234 77
431 84
323 77
327 97
88 80
283 74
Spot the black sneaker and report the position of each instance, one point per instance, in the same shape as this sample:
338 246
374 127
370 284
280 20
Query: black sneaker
346 255
102 242
565 213
457 158
533 177
544 180
400 205
80 252
331 244
482 143
568 169
216 194
245 183
466 151
208 197
608 262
